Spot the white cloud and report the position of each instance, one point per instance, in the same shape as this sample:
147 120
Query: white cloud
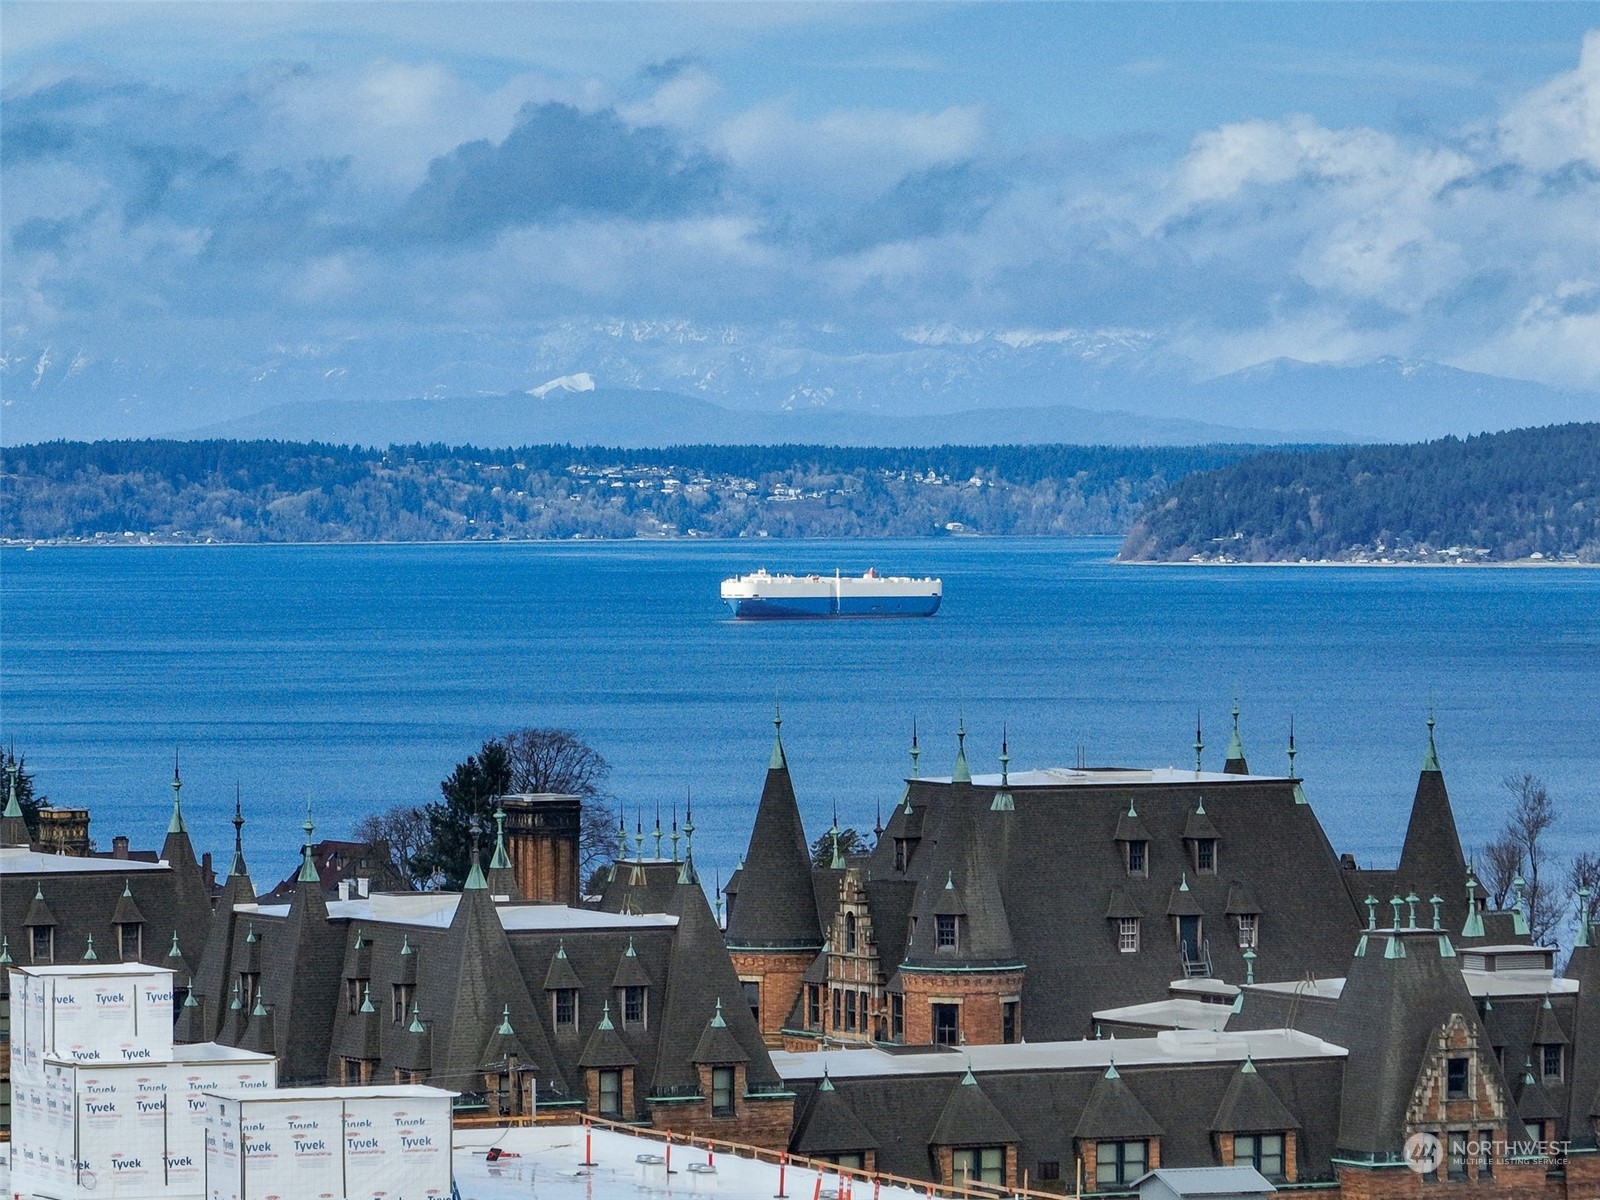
1560 121
850 152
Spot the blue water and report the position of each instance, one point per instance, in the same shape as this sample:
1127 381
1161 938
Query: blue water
360 674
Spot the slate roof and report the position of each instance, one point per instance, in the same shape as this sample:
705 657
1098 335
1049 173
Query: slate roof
717 1044
827 1125
561 976
1431 862
1043 1107
963 877
1387 1016
1250 1106
1533 1102
1583 1082
1547 1031
1056 864
1198 827
1130 828
1113 1111
605 1047
969 1118
630 971
776 904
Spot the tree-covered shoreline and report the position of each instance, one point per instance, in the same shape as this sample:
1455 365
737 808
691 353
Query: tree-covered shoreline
1525 495
277 492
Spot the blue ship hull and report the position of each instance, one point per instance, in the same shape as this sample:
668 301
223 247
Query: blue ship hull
790 608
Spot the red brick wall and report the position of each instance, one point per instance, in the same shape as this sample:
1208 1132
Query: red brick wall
979 996
779 972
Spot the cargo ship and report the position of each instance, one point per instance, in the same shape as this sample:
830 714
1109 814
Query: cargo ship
788 597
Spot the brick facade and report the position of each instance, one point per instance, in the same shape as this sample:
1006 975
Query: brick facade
979 996
541 835
779 974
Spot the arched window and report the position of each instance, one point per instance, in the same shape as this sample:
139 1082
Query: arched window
850 932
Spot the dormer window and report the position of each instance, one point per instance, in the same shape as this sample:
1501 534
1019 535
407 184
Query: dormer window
1128 935
1249 923
43 943
903 848
1456 1075
1551 1057
130 938
1205 856
945 931
1138 858
564 1003
633 1005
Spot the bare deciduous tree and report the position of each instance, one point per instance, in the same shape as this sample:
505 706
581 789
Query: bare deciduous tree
1584 873
399 834
1532 815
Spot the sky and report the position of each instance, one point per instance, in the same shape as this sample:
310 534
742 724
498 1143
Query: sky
194 186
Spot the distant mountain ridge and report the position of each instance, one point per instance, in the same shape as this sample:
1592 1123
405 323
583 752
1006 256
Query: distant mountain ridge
632 418
73 391
1521 494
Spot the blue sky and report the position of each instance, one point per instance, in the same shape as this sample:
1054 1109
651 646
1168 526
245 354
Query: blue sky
1231 183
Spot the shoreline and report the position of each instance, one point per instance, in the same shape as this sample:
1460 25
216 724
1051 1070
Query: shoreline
145 542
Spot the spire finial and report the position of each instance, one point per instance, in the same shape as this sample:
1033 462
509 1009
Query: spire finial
605 1016
1199 744
1002 799
1291 746
716 1020
916 751
836 861
676 836
962 773
308 867
176 825
1430 761
777 762
366 998
1583 916
1249 965
416 1025
89 955
13 806
1372 911
658 827
638 836
238 867
505 1021
500 860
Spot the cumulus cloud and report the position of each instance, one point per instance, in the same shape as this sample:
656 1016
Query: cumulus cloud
558 162
393 195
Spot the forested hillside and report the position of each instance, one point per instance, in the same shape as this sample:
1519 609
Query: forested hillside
231 491
1523 494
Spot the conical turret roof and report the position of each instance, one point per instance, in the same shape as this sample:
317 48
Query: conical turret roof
777 908
1431 861
963 880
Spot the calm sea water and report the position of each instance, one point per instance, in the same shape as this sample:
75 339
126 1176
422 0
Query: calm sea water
360 674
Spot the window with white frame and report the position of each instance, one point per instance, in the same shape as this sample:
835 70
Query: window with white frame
1248 925
1128 934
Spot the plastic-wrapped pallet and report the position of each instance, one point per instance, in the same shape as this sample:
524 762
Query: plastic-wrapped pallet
360 1143
92 1012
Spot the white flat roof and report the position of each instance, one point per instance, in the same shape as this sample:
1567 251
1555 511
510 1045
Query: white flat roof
1054 777
1479 984
435 910
1176 1013
1168 1047
546 1163
16 860
399 1091
93 970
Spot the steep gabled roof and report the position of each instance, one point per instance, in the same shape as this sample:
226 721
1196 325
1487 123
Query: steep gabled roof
561 976
1398 995
1114 1111
828 1125
717 1044
699 974
1241 901
1197 826
777 907
1583 1089
1251 1106
605 1047
1547 1029
1533 1102
127 911
969 1118
963 878
1431 862
630 971
1130 828
475 990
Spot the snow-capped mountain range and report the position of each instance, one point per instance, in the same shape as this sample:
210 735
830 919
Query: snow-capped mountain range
928 383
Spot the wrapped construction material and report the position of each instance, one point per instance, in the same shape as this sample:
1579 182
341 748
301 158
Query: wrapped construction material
363 1143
